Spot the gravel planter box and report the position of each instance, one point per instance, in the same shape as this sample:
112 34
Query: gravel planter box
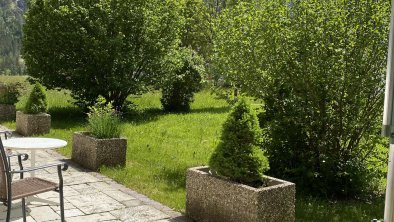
32 124
213 199
92 153
7 112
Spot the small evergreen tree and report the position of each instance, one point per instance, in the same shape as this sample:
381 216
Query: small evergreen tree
237 156
37 101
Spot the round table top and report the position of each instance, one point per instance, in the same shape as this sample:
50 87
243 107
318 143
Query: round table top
29 143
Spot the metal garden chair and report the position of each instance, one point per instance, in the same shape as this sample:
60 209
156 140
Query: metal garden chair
25 187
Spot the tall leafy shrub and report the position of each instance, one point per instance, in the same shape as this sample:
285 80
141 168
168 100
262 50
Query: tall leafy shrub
37 101
185 70
319 67
238 155
9 93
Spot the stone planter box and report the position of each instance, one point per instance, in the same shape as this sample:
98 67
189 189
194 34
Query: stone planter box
7 112
213 199
32 124
92 153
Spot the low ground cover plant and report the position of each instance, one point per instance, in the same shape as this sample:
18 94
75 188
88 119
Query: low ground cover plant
37 101
103 121
238 156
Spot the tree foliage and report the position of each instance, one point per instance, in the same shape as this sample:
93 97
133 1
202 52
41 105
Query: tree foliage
111 48
197 31
238 156
319 67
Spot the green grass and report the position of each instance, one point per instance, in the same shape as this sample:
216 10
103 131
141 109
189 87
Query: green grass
161 146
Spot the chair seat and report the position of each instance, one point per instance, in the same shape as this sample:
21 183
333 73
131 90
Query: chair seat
31 186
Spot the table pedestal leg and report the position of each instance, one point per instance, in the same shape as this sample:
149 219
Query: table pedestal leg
33 162
32 174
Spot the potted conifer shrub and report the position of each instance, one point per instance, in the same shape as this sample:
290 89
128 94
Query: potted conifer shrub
233 187
34 120
9 93
101 145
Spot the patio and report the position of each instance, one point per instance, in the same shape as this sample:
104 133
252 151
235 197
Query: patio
90 196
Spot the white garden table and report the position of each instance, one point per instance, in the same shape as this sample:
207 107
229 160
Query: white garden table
33 144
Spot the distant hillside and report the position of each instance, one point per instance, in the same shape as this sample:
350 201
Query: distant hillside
11 21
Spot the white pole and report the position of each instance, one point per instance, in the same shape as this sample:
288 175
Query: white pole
388 98
388 123
389 205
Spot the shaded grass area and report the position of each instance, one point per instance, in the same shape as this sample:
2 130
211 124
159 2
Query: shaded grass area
161 146
309 209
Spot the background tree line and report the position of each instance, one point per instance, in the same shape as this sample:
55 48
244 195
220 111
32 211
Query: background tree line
11 21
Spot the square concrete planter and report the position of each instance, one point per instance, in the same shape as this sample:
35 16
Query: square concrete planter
92 153
32 124
213 199
7 112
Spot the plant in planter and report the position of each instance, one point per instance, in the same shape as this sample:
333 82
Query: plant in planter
9 94
234 187
101 145
34 119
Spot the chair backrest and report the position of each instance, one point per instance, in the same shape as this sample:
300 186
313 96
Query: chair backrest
4 172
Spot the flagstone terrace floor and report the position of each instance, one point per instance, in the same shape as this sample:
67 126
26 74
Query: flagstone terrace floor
90 196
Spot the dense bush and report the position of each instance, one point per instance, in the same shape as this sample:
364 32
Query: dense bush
103 121
238 155
9 93
319 67
111 48
37 101
183 80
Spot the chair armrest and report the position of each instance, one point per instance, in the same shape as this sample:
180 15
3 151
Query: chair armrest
29 169
7 133
25 155
19 155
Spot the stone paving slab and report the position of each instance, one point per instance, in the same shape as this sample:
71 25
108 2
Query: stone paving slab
89 197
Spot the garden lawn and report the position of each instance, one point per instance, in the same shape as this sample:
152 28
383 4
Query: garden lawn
161 146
